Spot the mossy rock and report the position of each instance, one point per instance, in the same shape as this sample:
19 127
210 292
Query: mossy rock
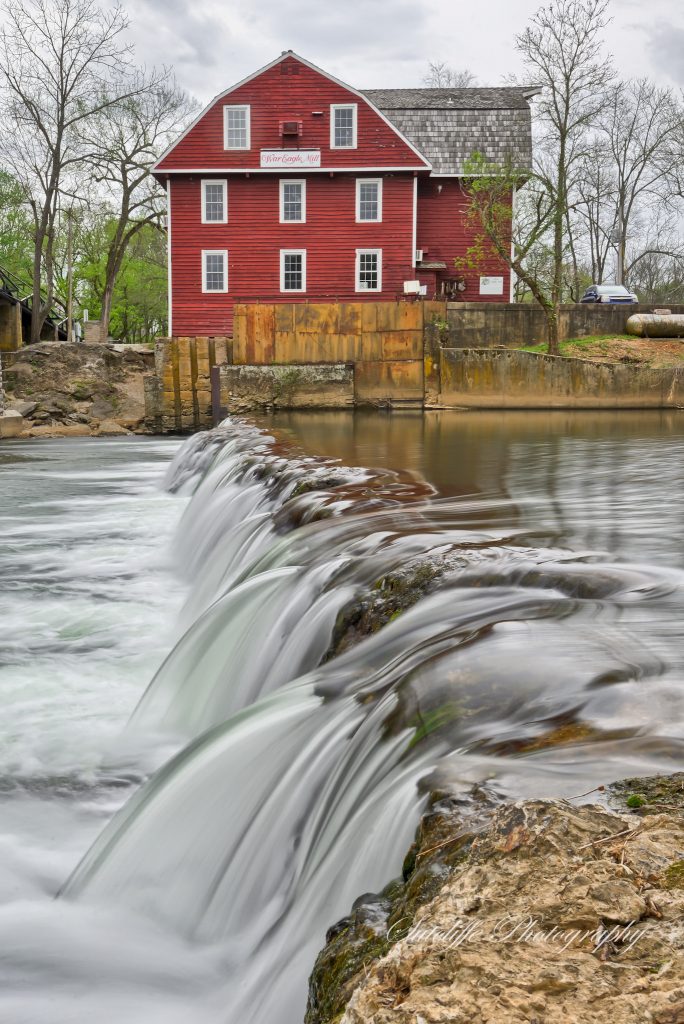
444 845
82 390
651 795
386 599
377 921
674 876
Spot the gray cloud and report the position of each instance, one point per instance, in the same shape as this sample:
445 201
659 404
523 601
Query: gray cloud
666 51
375 43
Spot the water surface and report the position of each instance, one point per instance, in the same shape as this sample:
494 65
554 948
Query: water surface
545 660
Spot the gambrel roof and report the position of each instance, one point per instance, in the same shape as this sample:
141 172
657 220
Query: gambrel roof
449 125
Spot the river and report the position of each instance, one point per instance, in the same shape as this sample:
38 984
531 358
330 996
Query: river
193 789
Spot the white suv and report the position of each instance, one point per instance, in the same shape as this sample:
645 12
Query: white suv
609 293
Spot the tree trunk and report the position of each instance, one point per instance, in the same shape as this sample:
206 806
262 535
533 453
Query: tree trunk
106 314
115 255
36 316
553 328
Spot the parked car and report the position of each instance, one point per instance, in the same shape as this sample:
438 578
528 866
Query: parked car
609 293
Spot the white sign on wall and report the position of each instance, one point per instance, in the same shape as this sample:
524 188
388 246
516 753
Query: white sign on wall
491 286
286 159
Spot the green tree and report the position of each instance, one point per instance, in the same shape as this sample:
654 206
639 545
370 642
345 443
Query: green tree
16 237
491 190
139 298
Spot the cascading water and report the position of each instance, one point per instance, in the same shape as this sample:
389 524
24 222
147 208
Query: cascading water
305 771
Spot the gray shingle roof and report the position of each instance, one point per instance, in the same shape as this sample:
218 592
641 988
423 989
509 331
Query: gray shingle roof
449 125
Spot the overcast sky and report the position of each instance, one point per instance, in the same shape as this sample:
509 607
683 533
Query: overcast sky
373 43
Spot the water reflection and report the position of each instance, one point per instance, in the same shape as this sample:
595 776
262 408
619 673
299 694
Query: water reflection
609 481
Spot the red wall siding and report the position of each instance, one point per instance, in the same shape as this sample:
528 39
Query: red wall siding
254 237
445 235
276 96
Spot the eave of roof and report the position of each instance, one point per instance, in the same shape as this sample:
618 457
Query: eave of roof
499 98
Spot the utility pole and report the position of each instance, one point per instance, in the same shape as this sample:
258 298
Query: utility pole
70 275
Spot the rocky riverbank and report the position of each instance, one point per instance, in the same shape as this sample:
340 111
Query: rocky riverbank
541 911
77 390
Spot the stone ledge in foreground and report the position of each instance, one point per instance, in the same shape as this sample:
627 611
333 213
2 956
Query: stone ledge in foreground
540 911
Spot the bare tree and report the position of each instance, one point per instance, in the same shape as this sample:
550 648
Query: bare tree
593 205
638 123
441 75
657 275
562 52
124 140
57 62
510 227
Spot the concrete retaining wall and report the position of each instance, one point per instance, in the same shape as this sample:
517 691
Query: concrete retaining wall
482 379
178 398
10 327
393 354
517 325
322 386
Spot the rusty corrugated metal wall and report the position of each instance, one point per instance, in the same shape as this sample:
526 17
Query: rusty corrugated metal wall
384 341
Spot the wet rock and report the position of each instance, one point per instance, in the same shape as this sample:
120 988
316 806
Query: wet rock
388 597
110 428
540 911
60 430
651 795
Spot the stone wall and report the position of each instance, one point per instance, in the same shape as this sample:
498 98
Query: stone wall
321 386
483 379
518 325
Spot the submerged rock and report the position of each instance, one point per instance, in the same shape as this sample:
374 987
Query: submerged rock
539 911
389 596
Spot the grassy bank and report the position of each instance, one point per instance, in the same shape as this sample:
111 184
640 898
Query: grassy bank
621 348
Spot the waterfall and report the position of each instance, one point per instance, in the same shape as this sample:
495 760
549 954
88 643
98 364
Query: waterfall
303 776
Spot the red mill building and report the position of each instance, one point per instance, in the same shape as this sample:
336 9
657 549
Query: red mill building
294 186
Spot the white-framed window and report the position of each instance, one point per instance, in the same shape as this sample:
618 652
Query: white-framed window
368 200
293 270
292 201
214 270
214 201
236 127
343 125
369 270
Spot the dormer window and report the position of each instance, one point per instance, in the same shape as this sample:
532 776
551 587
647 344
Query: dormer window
343 126
236 127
